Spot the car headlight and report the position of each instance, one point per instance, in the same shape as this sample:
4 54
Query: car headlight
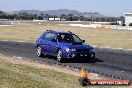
70 50
92 50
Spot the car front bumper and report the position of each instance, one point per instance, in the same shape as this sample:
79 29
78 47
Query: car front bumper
79 55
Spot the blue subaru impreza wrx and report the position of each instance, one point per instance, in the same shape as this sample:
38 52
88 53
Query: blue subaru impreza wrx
63 45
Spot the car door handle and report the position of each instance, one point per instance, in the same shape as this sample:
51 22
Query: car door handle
43 43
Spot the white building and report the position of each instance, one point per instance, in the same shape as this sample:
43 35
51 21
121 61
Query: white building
54 19
128 18
57 19
51 19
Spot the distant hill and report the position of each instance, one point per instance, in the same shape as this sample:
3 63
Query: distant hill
62 11
90 14
29 11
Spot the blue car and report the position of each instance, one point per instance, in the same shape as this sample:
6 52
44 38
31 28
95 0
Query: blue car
63 45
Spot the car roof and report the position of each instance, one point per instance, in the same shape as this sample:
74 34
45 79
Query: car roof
59 32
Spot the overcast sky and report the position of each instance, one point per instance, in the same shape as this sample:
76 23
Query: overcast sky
106 7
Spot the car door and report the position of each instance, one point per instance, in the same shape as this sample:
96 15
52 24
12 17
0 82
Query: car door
45 42
53 45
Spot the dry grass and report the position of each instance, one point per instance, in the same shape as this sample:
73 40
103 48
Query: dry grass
29 32
21 75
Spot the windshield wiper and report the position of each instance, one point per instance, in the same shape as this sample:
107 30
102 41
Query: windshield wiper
77 42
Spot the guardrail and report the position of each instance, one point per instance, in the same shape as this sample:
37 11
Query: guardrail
99 26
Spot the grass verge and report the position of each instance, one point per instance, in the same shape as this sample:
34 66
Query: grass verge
23 76
29 32
20 76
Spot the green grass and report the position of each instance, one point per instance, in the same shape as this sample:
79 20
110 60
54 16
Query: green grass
22 76
29 32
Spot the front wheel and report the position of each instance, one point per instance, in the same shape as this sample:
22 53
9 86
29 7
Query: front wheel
59 56
39 51
92 56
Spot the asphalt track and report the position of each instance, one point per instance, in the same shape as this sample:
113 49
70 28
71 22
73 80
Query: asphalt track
113 62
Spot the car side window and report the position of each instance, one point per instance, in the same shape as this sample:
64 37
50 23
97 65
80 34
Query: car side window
43 36
49 36
76 38
53 36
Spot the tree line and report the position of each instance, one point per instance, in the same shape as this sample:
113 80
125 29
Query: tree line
69 17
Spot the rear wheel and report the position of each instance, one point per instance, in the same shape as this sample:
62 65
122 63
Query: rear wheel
59 56
92 56
39 51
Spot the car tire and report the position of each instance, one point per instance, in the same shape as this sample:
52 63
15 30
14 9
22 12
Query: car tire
92 56
59 56
84 81
39 51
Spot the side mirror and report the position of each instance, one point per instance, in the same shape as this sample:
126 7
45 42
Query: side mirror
83 41
54 40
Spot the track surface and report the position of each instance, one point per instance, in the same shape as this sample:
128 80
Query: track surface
108 61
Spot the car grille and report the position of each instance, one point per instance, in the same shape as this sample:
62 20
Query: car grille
83 50
82 56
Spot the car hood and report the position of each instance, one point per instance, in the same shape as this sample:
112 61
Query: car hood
76 46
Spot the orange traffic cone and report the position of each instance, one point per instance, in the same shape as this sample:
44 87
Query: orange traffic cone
84 80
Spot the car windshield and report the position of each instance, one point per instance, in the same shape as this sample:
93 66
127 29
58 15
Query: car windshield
69 38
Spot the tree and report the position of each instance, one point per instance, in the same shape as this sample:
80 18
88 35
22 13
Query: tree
62 15
130 24
35 16
70 17
42 14
2 15
22 16
46 16
40 17
1 12
81 18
